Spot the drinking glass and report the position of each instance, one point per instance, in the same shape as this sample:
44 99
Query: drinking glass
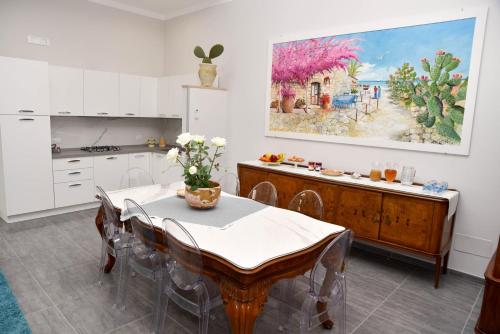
391 171
408 175
376 171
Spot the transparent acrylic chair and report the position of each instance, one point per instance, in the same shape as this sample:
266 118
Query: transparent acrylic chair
323 302
264 192
114 241
135 177
141 257
308 202
184 283
230 183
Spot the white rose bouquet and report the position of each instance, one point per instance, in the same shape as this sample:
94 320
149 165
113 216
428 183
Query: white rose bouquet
198 162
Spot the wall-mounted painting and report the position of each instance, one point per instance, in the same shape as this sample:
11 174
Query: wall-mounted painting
409 83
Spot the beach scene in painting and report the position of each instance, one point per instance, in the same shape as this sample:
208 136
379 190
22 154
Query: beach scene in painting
405 84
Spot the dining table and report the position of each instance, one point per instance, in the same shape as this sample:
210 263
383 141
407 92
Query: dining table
246 246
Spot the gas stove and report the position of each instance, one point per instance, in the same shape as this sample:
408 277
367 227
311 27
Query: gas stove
100 148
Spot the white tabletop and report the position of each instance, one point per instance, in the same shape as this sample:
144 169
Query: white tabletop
249 241
450 195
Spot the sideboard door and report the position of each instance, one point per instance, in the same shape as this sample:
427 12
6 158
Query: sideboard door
359 210
287 187
249 178
407 221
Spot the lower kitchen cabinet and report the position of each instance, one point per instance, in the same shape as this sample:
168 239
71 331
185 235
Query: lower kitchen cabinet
139 160
74 193
109 169
26 159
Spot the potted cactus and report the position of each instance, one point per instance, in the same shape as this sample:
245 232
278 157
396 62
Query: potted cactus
208 71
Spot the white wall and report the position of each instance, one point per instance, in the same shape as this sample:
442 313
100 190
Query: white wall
245 27
82 34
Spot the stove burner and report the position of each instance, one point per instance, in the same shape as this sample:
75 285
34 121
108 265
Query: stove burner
100 148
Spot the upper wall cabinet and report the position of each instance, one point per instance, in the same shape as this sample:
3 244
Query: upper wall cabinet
172 96
25 87
66 91
101 93
130 95
149 97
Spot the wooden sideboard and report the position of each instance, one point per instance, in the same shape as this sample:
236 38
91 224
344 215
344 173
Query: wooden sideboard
489 318
408 222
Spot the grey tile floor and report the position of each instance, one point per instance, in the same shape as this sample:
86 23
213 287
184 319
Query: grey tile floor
51 265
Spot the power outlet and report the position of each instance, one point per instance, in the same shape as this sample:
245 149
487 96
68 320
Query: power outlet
38 40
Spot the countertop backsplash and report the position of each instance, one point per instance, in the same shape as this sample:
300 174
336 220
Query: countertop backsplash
73 132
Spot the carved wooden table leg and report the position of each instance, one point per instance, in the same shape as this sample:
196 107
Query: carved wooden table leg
99 221
243 304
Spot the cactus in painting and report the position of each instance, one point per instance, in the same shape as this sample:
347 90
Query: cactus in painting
401 84
442 94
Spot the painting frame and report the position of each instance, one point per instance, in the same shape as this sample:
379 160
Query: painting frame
480 15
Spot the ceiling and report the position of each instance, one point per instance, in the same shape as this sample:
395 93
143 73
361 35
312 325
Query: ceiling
160 9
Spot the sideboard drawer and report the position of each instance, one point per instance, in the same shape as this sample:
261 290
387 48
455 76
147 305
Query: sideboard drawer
73 193
70 175
72 163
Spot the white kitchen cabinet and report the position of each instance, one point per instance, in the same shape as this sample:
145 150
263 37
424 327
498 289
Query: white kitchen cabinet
101 93
149 97
172 97
66 91
130 95
71 175
27 164
25 87
163 171
139 160
158 165
109 169
207 112
74 193
73 163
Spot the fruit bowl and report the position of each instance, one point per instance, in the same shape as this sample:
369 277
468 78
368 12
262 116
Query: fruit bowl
272 159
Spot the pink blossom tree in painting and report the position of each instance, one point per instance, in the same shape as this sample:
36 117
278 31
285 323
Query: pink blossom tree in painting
298 61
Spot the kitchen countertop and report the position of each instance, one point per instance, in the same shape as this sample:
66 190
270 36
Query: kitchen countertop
125 149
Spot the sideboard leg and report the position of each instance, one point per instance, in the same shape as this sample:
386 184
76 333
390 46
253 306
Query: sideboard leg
445 262
437 271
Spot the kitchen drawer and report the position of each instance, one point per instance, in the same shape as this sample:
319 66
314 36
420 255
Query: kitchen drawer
74 193
139 160
61 176
72 163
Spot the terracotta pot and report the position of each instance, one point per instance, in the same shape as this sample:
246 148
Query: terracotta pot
203 198
287 104
207 74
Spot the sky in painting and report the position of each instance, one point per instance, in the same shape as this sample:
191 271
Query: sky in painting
383 51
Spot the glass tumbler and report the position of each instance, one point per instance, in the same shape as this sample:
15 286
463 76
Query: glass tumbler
376 171
408 175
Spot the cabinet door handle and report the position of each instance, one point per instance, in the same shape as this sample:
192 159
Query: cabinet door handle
163 115
73 161
26 111
64 112
102 113
175 115
26 119
139 156
75 185
111 158
74 173
130 114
